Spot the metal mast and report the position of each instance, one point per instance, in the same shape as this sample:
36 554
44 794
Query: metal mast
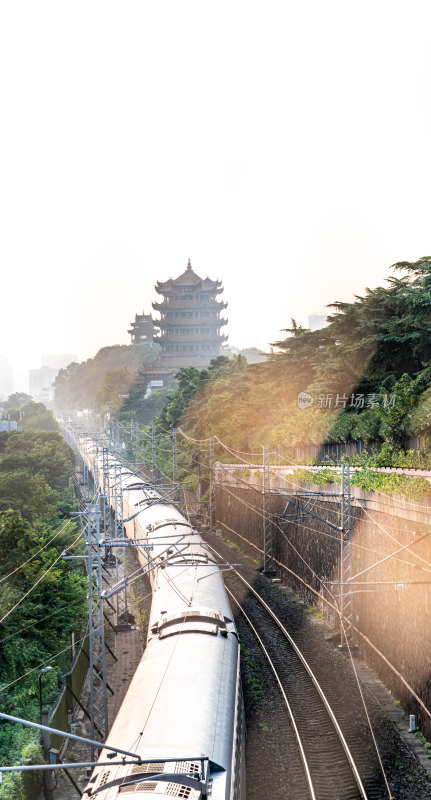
212 493
97 666
120 552
268 564
347 631
174 455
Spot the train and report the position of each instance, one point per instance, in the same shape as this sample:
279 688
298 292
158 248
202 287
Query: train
183 713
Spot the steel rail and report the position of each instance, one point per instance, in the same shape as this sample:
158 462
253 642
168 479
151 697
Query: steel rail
309 672
291 715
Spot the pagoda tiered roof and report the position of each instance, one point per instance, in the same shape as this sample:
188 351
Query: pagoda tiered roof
189 279
142 329
155 366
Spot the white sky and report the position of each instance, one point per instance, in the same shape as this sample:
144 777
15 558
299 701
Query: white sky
283 146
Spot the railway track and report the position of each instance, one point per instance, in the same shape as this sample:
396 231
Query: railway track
329 769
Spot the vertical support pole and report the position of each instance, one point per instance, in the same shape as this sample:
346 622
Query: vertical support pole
212 493
106 494
174 455
97 665
96 470
268 563
120 552
103 471
85 474
117 552
346 561
153 449
351 601
47 776
131 438
342 542
196 462
137 441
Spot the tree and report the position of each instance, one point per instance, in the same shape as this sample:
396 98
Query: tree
396 415
39 453
56 585
76 386
140 408
115 387
17 400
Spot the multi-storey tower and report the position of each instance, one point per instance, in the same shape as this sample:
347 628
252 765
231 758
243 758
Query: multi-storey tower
189 319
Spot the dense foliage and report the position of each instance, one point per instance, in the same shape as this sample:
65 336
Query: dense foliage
29 415
366 375
140 408
100 382
42 597
371 481
367 372
16 401
35 467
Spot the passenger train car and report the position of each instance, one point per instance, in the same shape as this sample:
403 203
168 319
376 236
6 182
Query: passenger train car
184 705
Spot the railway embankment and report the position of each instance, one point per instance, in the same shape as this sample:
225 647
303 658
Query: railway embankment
404 758
390 603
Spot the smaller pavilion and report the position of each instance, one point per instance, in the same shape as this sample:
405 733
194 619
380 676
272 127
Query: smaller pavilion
155 375
142 329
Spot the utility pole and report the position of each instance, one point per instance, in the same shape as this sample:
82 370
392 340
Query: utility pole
120 552
97 666
212 493
86 480
347 628
268 564
174 455
47 776
153 449
137 441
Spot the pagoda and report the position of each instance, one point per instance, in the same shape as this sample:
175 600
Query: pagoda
142 329
190 320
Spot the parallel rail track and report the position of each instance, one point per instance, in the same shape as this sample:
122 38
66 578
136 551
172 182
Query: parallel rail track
329 768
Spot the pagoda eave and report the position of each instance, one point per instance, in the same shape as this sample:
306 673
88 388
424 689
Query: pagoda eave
179 305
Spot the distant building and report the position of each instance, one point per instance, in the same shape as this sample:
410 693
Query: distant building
42 380
8 425
190 320
142 329
6 378
42 384
317 321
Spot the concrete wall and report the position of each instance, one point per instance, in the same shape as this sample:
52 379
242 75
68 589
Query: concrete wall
392 619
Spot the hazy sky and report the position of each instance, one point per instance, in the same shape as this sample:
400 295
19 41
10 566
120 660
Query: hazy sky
283 146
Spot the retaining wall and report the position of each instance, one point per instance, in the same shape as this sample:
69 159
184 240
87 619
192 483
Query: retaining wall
392 618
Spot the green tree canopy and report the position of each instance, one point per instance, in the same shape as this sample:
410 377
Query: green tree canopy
76 386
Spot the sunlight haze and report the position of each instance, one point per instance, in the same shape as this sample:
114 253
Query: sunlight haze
282 147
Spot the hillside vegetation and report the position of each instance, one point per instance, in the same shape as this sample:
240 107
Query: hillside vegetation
368 373
42 597
101 382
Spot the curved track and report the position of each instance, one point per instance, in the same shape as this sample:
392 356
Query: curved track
329 768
